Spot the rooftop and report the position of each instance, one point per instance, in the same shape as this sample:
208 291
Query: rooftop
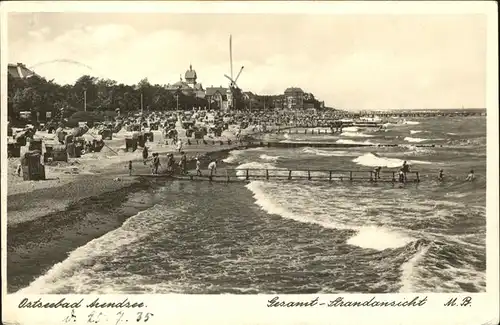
210 91
20 71
293 90
190 74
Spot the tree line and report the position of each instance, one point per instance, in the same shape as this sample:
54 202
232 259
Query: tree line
102 97
94 95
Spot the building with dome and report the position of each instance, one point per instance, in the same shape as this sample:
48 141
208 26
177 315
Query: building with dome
220 97
190 76
189 86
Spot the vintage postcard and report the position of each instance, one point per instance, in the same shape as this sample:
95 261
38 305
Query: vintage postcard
249 163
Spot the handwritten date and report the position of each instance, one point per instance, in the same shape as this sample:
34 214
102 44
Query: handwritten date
121 317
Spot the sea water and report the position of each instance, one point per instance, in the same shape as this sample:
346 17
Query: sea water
306 237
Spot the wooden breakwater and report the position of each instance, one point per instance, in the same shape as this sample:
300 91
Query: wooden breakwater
300 144
255 143
252 174
423 114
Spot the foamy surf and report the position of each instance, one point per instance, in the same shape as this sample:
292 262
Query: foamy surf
234 156
374 160
269 158
410 122
410 139
328 153
79 273
347 141
355 135
379 238
409 272
351 129
366 236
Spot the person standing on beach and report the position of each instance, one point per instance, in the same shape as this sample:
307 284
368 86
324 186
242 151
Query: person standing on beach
169 164
212 168
19 168
156 163
145 154
183 163
198 169
179 145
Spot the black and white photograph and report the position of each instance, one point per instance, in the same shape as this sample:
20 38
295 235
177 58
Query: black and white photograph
245 153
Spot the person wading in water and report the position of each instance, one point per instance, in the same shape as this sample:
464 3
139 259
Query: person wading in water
441 175
405 169
471 176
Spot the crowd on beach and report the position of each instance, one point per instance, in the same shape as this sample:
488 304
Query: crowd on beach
181 128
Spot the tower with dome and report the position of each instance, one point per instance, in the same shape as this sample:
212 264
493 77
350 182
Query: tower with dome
189 86
190 76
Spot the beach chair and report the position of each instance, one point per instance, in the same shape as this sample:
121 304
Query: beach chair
33 170
59 153
13 150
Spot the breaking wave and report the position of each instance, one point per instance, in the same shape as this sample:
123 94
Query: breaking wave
410 122
347 141
410 139
350 129
233 157
328 153
269 158
374 160
364 236
355 135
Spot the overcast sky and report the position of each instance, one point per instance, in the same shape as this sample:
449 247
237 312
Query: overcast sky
350 61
